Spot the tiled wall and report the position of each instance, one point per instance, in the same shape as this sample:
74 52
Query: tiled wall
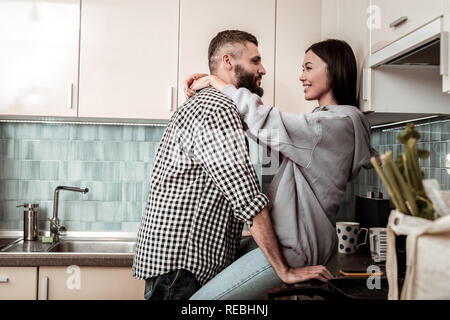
435 137
114 161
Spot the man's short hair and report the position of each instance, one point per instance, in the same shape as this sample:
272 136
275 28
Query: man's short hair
228 38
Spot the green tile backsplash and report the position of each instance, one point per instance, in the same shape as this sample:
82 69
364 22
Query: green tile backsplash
435 137
114 161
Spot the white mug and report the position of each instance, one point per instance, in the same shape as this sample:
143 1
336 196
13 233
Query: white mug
378 244
348 233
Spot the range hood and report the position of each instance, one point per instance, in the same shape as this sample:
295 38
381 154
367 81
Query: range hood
404 80
425 46
427 55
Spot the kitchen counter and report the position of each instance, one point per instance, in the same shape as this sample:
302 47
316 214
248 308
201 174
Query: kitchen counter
341 287
34 253
34 259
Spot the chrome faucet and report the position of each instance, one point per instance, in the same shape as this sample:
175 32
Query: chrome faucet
56 229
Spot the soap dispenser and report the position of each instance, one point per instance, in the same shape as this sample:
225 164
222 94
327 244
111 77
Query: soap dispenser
30 221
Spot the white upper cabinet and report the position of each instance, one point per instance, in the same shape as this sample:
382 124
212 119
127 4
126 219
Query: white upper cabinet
406 88
446 49
39 57
347 20
352 17
298 26
387 89
201 20
128 58
393 19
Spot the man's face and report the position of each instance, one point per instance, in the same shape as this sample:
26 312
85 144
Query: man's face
248 70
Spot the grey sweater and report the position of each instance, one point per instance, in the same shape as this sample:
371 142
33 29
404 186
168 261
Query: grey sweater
321 151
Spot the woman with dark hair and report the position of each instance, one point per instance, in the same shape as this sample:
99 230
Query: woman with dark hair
341 69
321 151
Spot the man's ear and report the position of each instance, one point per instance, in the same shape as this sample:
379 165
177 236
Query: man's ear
227 62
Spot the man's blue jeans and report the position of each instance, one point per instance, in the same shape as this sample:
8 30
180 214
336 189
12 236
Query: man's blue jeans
175 285
250 277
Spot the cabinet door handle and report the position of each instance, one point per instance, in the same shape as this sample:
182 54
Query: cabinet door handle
366 85
398 22
70 96
45 294
4 279
444 53
170 98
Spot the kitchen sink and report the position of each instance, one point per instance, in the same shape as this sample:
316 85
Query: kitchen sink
94 246
7 242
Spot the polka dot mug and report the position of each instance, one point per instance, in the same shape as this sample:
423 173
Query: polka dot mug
348 233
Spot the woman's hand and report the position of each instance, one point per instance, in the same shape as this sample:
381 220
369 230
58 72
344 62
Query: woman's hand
294 275
188 91
199 81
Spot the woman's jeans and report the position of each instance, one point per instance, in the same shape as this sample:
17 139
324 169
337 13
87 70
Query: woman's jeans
250 277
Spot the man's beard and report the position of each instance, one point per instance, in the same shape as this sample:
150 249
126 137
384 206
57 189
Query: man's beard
248 80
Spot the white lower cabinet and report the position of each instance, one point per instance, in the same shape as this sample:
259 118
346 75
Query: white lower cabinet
89 283
18 283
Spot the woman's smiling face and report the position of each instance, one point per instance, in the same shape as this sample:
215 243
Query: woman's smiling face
315 79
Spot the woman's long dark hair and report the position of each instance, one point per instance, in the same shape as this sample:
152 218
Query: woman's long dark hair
342 70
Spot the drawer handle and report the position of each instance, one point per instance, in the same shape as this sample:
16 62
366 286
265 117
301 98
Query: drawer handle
398 22
4 279
45 295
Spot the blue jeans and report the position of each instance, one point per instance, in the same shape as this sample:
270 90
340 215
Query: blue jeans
250 277
175 285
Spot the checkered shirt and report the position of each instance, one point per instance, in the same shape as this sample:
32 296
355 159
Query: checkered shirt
203 188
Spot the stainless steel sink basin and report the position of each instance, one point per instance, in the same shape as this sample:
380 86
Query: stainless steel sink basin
94 246
5 243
